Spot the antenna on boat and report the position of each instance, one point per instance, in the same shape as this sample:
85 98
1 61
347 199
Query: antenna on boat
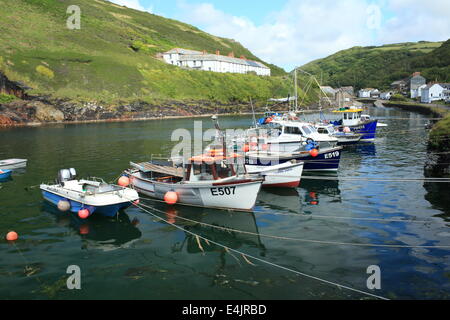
253 112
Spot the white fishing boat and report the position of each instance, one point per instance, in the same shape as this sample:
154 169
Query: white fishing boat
213 180
343 137
87 196
13 163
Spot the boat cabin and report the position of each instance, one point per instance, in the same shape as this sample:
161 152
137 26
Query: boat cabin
350 116
214 165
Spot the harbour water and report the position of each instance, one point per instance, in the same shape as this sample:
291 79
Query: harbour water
138 256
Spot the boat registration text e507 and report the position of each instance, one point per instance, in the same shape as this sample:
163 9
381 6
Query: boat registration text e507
222 191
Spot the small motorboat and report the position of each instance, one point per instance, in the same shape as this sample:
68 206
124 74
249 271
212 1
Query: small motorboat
5 174
212 180
282 175
86 197
13 163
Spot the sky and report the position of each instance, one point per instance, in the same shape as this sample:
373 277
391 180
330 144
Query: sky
290 33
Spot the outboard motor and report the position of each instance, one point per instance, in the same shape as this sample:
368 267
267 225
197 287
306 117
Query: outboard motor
73 173
64 175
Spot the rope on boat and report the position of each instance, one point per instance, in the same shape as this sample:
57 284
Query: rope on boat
246 255
305 240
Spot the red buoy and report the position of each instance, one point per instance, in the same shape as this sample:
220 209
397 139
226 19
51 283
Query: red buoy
12 236
314 152
124 181
171 197
83 213
246 148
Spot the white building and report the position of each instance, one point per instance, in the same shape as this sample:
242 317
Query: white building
435 91
213 62
364 93
385 95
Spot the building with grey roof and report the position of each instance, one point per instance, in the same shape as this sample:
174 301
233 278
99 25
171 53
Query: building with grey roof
214 62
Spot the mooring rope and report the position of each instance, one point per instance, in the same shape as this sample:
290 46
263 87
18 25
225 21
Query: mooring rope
262 260
303 240
442 180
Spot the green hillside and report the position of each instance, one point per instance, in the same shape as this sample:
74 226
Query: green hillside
113 56
377 67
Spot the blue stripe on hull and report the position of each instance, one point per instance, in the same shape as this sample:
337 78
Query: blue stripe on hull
107 211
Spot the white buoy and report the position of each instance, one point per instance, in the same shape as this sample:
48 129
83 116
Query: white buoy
63 205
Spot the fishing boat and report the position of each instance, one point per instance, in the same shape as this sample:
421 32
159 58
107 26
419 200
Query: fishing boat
285 136
284 175
5 174
213 180
351 117
343 137
13 163
86 197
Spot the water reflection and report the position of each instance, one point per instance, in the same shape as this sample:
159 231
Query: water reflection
99 232
215 225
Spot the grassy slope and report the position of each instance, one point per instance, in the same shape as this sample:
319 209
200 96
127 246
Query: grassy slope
378 66
112 57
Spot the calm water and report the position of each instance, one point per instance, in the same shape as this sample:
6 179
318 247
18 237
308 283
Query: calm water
139 257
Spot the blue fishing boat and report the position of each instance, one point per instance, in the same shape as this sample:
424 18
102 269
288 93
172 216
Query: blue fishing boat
352 118
87 196
5 174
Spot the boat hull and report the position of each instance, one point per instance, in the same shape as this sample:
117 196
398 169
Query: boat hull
285 175
75 206
326 160
233 195
368 130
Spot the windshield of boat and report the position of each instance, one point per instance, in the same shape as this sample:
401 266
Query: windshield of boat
308 130
292 130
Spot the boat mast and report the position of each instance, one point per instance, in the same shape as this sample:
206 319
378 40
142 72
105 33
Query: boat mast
295 89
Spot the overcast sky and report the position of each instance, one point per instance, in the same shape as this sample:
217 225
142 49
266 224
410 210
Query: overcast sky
290 33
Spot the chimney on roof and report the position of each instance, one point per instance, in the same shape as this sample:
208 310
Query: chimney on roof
218 52
231 54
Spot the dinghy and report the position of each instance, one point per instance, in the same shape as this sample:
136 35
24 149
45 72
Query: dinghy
13 163
212 180
86 197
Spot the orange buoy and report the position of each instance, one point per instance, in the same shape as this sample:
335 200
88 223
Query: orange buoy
12 236
124 181
83 213
246 148
314 203
314 152
171 197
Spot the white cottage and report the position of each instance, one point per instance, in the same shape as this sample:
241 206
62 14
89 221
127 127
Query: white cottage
434 92
214 62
